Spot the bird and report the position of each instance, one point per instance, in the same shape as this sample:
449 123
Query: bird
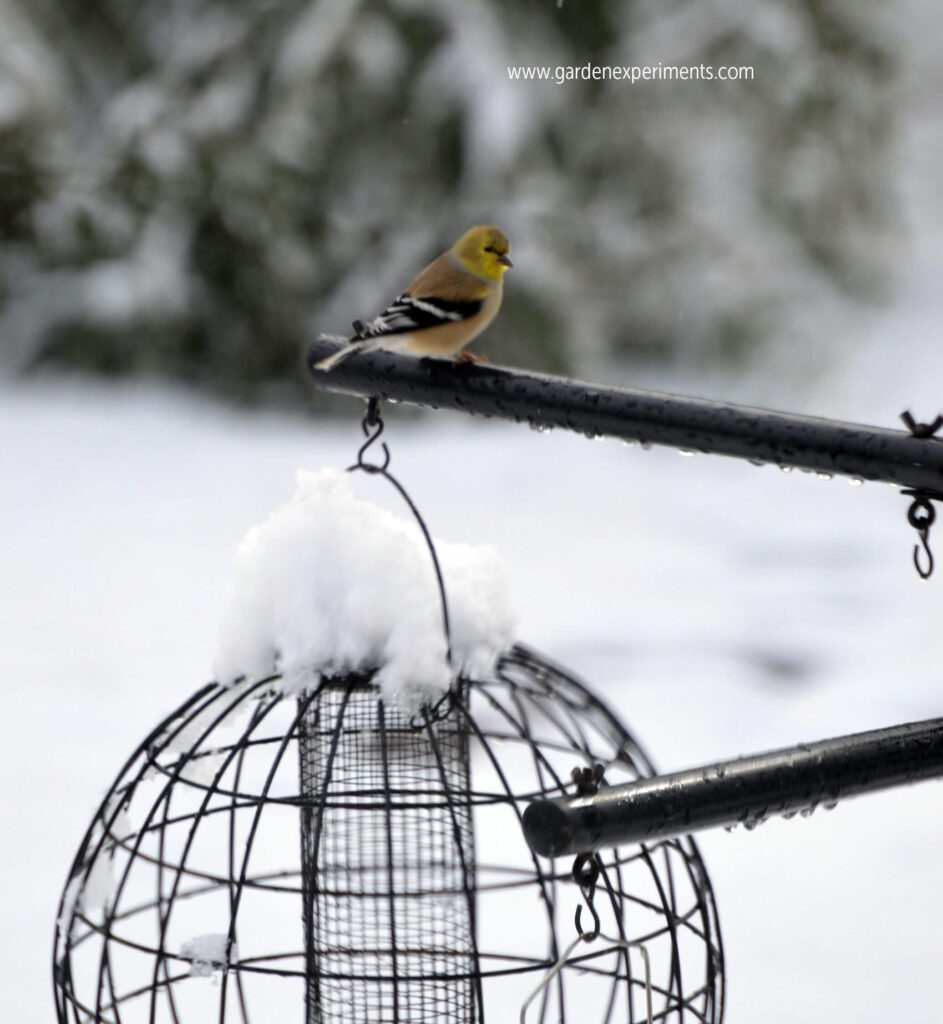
448 304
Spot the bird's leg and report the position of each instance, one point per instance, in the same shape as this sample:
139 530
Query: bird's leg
464 356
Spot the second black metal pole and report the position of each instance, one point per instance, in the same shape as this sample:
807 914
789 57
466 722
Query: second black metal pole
746 790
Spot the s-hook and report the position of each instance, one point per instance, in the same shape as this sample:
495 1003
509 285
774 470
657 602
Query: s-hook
372 426
921 514
586 866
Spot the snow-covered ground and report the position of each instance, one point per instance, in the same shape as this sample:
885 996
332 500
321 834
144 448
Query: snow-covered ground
721 608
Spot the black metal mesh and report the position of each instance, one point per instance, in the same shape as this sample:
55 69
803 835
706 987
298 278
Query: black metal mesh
388 852
411 895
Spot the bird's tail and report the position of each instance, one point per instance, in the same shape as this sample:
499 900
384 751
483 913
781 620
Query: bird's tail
353 346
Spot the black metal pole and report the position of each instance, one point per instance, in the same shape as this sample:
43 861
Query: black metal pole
694 424
746 790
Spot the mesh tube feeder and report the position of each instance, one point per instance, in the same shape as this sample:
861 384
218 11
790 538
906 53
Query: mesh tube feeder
322 857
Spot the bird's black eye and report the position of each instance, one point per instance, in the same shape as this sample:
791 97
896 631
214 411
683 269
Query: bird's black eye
490 248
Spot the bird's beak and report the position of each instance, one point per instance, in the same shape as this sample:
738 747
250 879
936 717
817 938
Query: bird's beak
505 260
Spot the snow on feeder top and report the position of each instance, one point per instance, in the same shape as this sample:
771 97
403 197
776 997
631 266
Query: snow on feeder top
332 584
331 832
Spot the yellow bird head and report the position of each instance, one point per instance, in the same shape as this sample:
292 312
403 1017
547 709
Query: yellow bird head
483 251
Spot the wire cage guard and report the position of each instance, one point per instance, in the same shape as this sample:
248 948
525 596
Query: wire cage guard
324 857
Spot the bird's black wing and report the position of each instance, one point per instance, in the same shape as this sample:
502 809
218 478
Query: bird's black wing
412 313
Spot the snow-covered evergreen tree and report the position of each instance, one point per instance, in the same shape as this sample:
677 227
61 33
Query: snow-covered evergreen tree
197 187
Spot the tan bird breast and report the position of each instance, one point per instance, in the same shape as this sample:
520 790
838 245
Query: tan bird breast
450 338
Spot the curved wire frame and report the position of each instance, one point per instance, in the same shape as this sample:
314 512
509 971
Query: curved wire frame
323 857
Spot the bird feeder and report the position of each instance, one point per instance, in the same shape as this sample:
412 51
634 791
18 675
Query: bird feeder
333 843
323 858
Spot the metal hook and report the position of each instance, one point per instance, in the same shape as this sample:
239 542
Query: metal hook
921 515
372 426
586 874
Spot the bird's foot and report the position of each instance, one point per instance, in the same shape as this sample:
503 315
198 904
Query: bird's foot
469 357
